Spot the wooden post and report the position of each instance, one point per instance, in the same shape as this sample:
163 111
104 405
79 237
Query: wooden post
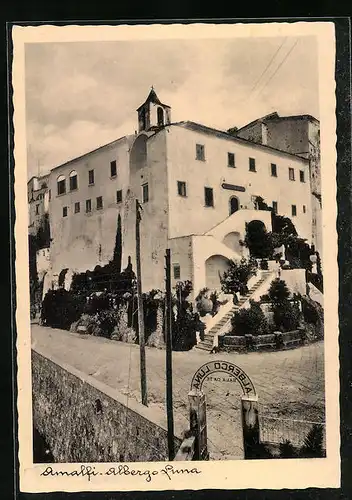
198 424
140 309
168 324
250 426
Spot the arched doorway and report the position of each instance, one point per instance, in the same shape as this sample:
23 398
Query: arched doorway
233 205
215 267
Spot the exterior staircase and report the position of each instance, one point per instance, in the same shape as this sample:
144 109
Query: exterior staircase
208 342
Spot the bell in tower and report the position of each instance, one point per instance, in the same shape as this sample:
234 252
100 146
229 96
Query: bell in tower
153 114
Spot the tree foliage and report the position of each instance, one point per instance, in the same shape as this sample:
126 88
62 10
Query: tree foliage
184 320
43 234
238 275
313 443
286 314
257 240
278 292
249 321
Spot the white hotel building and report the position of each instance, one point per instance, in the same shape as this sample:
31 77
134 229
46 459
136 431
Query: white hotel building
197 187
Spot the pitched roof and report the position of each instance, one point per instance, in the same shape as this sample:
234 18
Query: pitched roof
112 143
152 97
275 117
219 133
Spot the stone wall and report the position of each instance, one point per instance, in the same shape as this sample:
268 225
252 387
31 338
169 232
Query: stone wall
273 341
84 420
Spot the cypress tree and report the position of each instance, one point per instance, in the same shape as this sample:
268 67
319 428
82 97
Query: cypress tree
118 246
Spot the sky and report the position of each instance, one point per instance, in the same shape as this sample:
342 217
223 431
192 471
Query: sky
82 95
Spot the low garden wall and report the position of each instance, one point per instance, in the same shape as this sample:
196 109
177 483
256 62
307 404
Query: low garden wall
84 420
276 340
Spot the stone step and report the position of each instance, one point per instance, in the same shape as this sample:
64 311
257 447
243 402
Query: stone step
203 348
227 317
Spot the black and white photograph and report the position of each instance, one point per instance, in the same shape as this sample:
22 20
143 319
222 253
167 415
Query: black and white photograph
179 238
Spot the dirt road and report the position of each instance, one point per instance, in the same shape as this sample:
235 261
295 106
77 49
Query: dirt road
290 384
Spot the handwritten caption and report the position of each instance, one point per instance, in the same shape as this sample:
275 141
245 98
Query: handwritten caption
90 471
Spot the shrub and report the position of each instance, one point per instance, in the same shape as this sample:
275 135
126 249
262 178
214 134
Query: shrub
106 321
278 292
298 253
185 324
287 450
313 314
286 316
61 308
238 275
203 303
264 265
97 303
282 225
214 298
265 298
257 239
249 321
313 443
151 302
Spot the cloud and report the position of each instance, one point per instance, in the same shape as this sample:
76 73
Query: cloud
80 96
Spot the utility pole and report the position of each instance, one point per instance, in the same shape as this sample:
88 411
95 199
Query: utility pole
168 323
140 308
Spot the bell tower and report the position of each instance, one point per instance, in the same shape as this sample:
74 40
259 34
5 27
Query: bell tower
153 114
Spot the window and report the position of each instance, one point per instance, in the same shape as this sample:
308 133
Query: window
99 202
273 170
113 169
73 181
91 177
291 174
301 175
275 207
37 210
64 211
294 210
77 207
304 209
181 188
119 196
61 185
252 165
88 206
208 197
160 113
200 152
231 160
177 271
145 193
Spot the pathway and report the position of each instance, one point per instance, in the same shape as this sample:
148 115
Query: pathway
290 384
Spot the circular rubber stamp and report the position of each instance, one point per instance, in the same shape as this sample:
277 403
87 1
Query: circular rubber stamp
234 372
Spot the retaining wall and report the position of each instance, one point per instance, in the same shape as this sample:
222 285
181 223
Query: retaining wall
275 340
84 420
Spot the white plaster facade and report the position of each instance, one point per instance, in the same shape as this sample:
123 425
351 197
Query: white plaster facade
202 238
299 135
